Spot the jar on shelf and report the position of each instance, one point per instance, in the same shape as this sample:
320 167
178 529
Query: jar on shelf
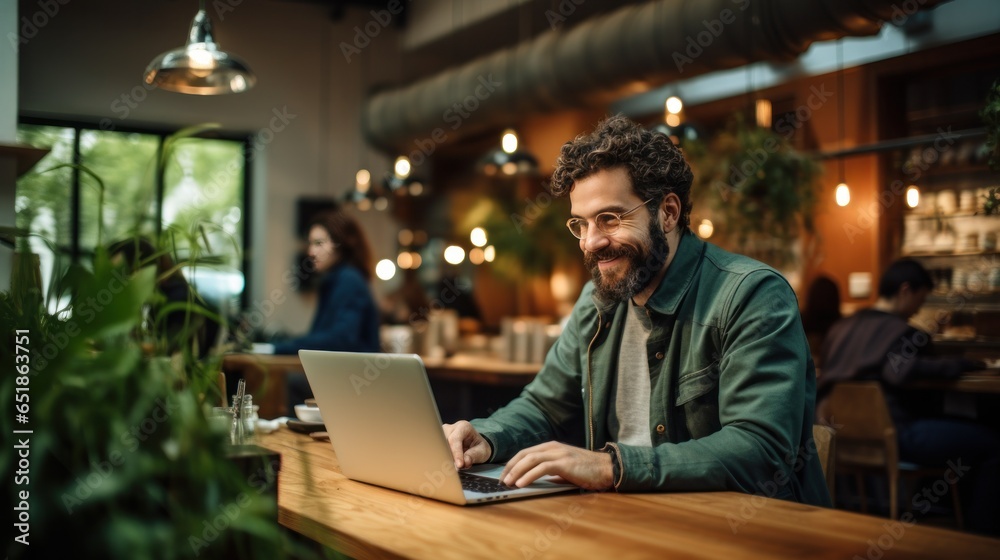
970 242
989 241
994 278
928 201
958 279
947 201
967 200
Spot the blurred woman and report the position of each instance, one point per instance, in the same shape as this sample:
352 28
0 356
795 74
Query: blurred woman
347 317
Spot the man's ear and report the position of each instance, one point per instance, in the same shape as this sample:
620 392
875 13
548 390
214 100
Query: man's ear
670 212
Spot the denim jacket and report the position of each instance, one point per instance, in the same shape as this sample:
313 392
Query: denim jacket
732 384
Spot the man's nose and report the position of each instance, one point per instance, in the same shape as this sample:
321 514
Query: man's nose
595 240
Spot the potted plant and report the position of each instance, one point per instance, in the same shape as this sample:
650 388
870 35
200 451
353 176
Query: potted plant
529 235
115 453
760 190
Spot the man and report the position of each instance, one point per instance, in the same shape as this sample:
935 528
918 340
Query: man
879 344
682 366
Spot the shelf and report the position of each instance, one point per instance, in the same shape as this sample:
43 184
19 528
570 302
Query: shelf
965 302
960 214
940 170
985 295
923 118
944 254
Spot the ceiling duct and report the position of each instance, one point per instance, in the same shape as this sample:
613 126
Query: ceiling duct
602 58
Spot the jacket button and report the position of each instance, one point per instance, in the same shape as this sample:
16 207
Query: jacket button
659 355
607 325
661 429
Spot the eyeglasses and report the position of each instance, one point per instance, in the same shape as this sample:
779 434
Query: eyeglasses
607 222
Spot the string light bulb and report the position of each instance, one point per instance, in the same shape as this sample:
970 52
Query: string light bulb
402 167
674 105
509 141
706 229
843 194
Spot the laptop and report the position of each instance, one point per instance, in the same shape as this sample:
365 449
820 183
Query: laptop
385 428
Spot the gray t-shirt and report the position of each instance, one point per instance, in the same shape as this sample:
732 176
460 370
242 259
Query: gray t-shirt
628 421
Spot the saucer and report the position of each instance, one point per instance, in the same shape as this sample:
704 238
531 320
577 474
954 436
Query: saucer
305 427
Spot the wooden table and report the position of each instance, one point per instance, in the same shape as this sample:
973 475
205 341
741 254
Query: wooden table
366 521
983 382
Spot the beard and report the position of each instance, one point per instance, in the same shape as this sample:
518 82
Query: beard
641 265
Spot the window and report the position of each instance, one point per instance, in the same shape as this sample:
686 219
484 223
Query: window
202 196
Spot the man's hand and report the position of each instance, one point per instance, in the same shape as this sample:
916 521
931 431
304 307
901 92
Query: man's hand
467 446
587 469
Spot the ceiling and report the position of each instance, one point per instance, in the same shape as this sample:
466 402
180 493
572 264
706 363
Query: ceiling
517 21
338 8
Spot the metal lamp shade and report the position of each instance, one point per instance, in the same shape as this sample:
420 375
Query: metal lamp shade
499 163
200 67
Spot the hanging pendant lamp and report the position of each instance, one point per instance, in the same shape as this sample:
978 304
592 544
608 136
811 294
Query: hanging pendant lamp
508 160
842 194
200 67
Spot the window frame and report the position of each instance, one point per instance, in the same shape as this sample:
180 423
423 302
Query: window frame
161 133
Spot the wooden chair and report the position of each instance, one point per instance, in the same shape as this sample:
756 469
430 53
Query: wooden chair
824 436
866 442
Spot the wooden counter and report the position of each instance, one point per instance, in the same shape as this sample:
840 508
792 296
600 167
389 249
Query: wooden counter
265 376
481 369
366 521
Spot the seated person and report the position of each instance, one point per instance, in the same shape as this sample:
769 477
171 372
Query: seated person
682 367
347 317
178 328
821 311
879 344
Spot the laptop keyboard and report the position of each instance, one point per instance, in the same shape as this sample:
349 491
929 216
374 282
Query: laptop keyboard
482 484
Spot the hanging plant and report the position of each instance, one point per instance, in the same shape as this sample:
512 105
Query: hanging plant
761 190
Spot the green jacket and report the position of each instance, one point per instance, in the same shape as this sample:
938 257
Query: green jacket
732 384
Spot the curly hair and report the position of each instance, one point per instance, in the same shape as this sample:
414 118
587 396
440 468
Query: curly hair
346 233
654 165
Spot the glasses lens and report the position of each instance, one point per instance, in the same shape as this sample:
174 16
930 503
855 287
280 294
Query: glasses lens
577 227
608 222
